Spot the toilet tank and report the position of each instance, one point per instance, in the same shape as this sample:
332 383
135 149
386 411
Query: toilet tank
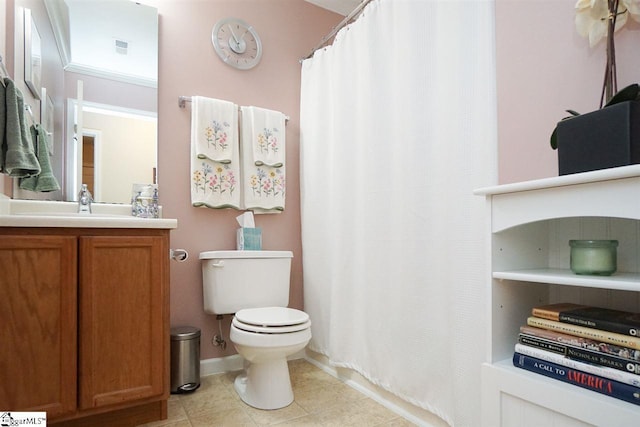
233 280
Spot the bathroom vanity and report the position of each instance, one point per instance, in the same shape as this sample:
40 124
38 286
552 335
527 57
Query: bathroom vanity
84 317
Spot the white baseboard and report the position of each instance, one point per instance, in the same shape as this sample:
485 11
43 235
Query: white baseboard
220 365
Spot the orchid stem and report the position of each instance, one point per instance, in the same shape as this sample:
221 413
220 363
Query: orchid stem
610 84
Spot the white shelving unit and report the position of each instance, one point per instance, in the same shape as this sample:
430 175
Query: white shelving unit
531 224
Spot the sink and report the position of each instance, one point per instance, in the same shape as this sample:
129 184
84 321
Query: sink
59 209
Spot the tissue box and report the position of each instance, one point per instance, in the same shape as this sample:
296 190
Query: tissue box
249 239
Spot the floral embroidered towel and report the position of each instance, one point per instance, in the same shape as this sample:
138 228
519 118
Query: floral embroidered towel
214 128
215 184
267 135
263 187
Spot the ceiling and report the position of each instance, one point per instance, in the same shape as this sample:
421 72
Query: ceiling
117 36
116 39
343 7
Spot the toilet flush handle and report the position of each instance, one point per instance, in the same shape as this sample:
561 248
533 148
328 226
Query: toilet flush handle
218 264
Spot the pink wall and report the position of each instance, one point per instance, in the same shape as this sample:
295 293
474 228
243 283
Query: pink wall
543 68
110 92
189 66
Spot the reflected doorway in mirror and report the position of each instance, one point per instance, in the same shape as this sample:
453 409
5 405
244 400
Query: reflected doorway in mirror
124 145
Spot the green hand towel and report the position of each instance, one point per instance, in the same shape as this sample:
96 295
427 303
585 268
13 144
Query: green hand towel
45 181
3 122
20 159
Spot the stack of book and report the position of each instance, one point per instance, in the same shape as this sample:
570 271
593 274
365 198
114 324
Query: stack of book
591 347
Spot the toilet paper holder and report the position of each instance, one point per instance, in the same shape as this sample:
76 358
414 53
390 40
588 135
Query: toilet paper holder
179 255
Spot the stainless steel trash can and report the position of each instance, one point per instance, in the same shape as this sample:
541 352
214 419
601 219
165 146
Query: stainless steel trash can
185 359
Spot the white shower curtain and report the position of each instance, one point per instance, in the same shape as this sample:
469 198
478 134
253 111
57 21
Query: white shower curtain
398 123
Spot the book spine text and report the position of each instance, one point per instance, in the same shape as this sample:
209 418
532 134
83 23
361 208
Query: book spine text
595 334
582 354
585 380
602 371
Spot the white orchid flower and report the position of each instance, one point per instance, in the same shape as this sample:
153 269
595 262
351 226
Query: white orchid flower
592 17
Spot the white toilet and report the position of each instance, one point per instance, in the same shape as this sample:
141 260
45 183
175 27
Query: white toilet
255 286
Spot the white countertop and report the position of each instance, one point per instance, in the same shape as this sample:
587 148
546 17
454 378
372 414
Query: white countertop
39 213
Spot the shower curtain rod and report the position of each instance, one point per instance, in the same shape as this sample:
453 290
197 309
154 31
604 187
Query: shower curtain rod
338 27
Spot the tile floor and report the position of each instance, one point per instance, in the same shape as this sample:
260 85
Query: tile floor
320 400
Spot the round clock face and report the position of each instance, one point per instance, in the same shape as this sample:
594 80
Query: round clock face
236 43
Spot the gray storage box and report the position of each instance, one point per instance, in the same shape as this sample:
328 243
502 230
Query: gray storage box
185 359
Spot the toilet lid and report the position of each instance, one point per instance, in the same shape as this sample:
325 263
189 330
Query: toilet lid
271 320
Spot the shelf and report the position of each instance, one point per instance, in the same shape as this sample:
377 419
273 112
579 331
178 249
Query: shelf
619 281
530 224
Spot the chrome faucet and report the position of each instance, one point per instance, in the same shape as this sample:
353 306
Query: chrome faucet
84 200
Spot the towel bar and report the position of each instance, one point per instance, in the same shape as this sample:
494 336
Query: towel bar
182 103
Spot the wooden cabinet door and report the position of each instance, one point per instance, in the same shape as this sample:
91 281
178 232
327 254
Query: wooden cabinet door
38 326
123 336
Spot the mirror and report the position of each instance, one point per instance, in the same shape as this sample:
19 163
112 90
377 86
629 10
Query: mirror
108 106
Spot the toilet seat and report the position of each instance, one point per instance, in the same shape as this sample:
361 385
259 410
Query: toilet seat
271 320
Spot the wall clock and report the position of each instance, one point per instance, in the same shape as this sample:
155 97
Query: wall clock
236 43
